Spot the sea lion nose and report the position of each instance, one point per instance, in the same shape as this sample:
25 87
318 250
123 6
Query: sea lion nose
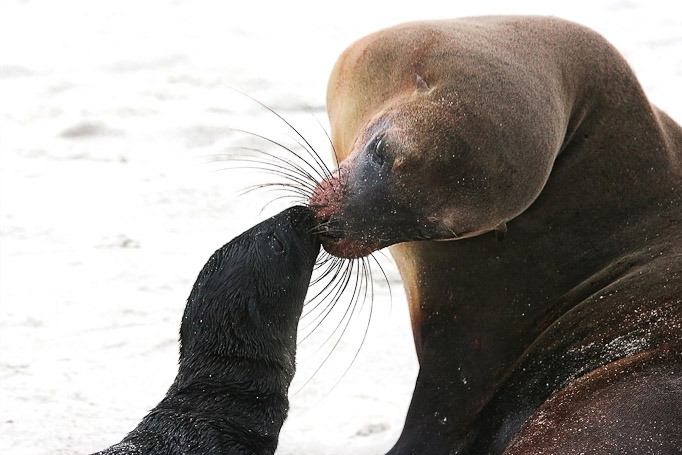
327 196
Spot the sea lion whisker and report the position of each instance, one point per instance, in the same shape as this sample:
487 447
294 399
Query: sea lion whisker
287 179
294 198
291 165
278 144
311 150
322 228
331 264
331 293
258 163
276 187
383 273
334 286
366 276
276 163
304 184
360 288
331 270
325 257
316 322
334 266
347 317
326 173
329 288
366 331
329 232
350 309
331 143
282 197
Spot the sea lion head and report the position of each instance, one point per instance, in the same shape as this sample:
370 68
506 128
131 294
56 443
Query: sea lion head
255 286
437 136
419 169
283 251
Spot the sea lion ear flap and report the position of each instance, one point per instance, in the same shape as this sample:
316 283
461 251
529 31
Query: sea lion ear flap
422 86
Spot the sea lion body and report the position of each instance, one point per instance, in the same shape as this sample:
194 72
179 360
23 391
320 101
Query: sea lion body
529 145
237 346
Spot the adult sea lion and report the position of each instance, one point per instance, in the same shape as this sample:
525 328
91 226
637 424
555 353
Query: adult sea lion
556 308
237 346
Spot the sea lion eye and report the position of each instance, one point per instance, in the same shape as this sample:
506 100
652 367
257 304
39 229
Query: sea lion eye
277 246
379 150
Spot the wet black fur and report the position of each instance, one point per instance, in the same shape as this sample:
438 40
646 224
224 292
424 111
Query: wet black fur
237 346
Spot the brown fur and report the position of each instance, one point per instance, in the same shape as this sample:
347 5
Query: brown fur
537 127
624 409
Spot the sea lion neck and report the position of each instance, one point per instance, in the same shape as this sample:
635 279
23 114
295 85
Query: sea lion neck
226 331
495 299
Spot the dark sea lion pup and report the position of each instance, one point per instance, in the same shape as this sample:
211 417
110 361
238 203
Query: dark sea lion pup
550 321
237 346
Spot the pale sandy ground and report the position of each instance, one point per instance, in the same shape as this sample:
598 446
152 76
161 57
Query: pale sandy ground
111 114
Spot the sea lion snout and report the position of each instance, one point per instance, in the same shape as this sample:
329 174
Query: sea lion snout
363 206
292 232
326 199
400 184
330 206
339 208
